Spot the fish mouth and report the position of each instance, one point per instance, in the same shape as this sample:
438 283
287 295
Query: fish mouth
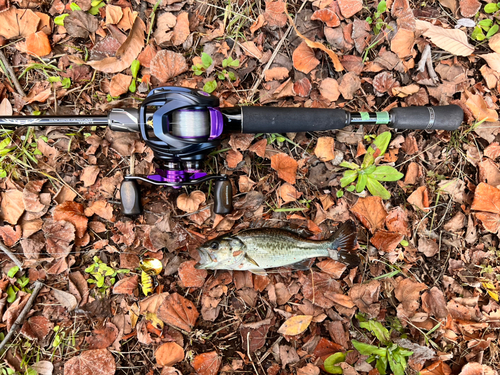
206 259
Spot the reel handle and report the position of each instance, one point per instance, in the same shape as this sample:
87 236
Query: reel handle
223 196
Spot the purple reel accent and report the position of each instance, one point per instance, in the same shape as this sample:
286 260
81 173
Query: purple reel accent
175 176
216 123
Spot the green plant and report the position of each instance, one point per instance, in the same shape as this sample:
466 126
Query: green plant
104 275
369 174
377 17
331 361
20 283
134 68
492 8
487 26
390 354
221 74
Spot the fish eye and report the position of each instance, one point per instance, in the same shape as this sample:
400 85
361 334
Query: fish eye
214 245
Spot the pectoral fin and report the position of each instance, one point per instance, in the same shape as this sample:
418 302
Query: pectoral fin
251 260
258 271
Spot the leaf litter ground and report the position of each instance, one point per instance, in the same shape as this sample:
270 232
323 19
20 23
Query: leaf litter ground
430 270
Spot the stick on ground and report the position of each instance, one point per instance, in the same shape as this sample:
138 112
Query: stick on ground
11 255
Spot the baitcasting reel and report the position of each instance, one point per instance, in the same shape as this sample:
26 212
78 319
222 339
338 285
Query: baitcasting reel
182 126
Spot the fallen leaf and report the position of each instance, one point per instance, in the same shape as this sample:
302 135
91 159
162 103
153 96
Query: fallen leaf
245 184
277 73
328 16
386 241
207 363
428 247
325 149
259 22
286 167
190 276
66 299
493 60
329 89
6 108
314 287
181 29
127 52
100 208
420 198
99 361
397 221
38 44
454 41
407 292
233 158
119 84
152 303
332 267
288 355
73 213
402 43
31 196
365 297
486 198
114 14
254 335
439 367
191 202
302 87
295 325
127 285
102 337
474 368
371 212
492 151
349 85
259 148
12 206
274 14
167 65
241 142
169 354
288 193
18 23
308 369
304 58
405 91
89 175
494 41
9 235
384 82
36 327
59 235
434 303
477 105
80 24
349 8
178 312
469 8
43 367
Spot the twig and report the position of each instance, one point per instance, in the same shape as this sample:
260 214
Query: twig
20 319
426 60
12 75
11 255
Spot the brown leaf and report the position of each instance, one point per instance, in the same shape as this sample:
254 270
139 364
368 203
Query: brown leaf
474 368
36 327
288 193
169 354
286 167
252 50
371 212
275 13
241 141
402 43
314 287
302 87
486 198
18 23
152 303
439 367
295 325
59 235
397 221
90 362
74 213
245 184
332 267
9 235
327 16
178 312
253 335
349 85
405 91
80 24
78 286
12 206
89 175
259 22
350 7
191 202
32 247
413 173
190 276
469 8
324 149
407 292
207 363
277 73
119 84
492 151
308 369
259 148
494 41
113 14
127 52
167 65
31 196
181 29
100 208
384 82
233 158
434 303
477 105
102 337
304 58
38 44
386 241
428 247
329 89
420 198
127 285
454 41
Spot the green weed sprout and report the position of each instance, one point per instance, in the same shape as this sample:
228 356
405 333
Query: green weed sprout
482 26
369 174
377 17
389 354
104 275
206 62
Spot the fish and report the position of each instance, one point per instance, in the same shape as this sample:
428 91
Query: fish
256 250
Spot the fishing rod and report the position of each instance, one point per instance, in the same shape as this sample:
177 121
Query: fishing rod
182 126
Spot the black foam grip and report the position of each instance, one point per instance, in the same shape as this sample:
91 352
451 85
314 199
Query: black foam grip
285 120
130 197
448 117
223 197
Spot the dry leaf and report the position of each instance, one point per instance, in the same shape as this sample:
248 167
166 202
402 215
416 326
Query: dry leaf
420 198
493 60
286 167
329 89
18 23
454 41
59 235
12 206
38 44
328 16
89 175
102 337
37 327
494 43
31 196
65 299
127 285
181 29
101 208
169 354
167 65
371 212
275 13
474 368
277 73
349 85
119 84
332 267
295 325
241 141
486 198
402 43
302 87
386 241
191 202
91 362
349 8
9 235
74 213
405 91
178 312
207 363
5 108
233 158
288 193
451 4
80 24
259 148
469 8
477 105
304 58
114 14
324 149
190 276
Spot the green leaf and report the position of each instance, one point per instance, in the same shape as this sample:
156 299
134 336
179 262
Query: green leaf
12 272
235 63
11 294
348 164
396 365
23 281
369 20
477 34
59 20
370 169
360 186
206 60
491 8
376 188
486 23
492 31
225 62
231 76
378 330
100 281
210 86
340 194
91 281
66 82
382 142
197 69
95 3
3 173
95 9
332 360
220 76
54 79
350 188
367 349
133 86
381 365
404 243
386 173
382 7
349 177
56 342
74 7
134 68
4 143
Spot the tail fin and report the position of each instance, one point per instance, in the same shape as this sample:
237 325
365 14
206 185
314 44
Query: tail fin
344 243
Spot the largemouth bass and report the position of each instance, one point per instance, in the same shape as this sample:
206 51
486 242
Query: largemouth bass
256 250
